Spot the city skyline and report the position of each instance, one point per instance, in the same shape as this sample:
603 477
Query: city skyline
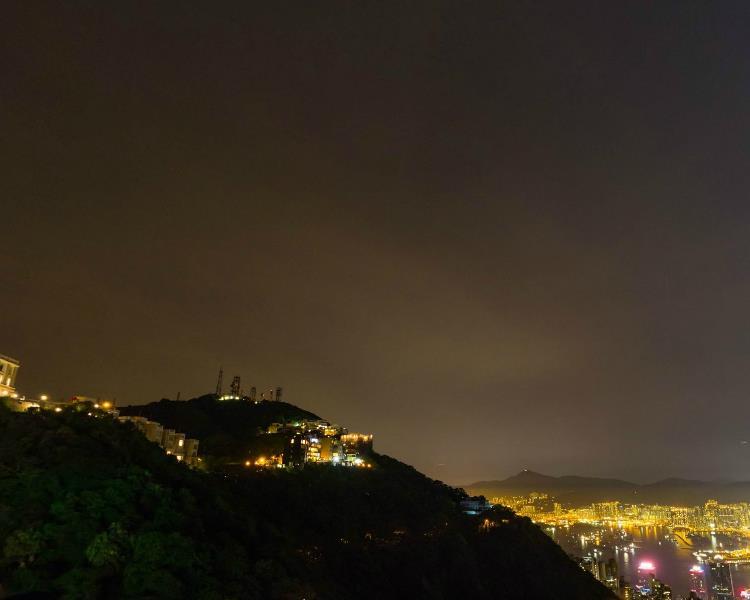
496 237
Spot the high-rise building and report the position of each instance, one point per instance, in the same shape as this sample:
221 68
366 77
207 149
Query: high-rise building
606 511
720 580
295 451
8 371
177 444
626 590
710 513
191 451
660 591
608 572
646 575
697 582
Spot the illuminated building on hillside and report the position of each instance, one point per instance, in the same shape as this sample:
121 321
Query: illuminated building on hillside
295 451
312 448
356 443
308 443
107 406
174 443
331 450
183 448
190 452
8 371
272 460
324 428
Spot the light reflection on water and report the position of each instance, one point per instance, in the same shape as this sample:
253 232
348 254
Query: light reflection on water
671 556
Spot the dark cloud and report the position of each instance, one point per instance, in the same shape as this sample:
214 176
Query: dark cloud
497 235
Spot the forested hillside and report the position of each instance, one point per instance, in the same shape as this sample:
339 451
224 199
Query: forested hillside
90 509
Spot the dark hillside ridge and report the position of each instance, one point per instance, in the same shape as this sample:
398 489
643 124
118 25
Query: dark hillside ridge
577 490
225 428
91 509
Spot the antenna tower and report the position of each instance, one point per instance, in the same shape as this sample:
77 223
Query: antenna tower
235 389
218 381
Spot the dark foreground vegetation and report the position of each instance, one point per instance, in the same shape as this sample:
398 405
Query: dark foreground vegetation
90 509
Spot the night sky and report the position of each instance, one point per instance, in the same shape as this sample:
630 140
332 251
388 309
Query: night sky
497 235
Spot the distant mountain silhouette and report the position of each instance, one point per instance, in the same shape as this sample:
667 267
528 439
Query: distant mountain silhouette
577 490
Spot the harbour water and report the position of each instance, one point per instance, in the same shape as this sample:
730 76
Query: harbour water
672 553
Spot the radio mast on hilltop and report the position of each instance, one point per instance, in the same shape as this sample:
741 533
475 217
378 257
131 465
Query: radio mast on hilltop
218 381
235 390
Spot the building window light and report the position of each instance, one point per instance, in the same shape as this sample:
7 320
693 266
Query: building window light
181 443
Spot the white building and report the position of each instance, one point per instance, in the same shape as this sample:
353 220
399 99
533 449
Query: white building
8 371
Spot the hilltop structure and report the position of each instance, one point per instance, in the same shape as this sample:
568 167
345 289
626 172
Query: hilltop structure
22 404
236 392
8 372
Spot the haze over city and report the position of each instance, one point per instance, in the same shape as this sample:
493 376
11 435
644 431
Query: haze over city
526 251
